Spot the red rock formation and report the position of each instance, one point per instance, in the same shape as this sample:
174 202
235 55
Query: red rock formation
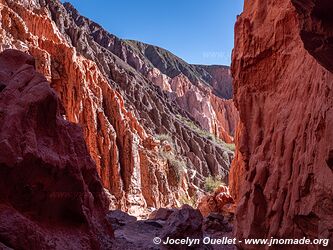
193 86
220 201
226 117
215 115
50 194
221 81
154 108
282 177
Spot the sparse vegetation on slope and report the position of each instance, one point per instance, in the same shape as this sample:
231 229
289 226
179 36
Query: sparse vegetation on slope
184 200
177 165
212 183
164 137
200 131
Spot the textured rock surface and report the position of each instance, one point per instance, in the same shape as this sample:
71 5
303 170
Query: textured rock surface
185 222
316 29
50 194
221 79
161 214
195 88
220 201
282 177
216 222
109 88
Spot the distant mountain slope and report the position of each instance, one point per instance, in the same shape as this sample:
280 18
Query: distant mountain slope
221 79
217 76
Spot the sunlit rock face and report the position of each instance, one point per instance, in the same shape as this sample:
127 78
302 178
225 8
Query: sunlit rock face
126 105
282 176
51 196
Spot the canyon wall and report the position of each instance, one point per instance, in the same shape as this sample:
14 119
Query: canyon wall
51 196
282 175
149 150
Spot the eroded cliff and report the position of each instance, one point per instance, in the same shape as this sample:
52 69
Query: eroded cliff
282 177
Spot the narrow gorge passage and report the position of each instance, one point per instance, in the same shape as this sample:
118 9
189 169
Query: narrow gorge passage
114 143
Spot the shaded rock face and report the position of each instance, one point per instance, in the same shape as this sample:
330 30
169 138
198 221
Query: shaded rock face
161 214
179 224
221 79
316 29
282 176
113 92
50 194
216 222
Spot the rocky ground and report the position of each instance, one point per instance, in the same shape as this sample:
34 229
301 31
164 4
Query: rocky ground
174 223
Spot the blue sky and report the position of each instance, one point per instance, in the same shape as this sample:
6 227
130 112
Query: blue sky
198 31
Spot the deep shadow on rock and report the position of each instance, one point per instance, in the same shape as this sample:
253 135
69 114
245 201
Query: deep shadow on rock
50 194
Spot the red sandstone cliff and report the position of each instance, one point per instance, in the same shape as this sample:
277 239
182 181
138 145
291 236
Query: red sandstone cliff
50 194
282 177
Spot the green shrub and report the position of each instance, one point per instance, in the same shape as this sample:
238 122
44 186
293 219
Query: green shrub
177 166
164 137
212 183
203 133
193 126
188 201
231 146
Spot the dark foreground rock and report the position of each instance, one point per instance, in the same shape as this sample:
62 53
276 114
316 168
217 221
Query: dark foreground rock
50 193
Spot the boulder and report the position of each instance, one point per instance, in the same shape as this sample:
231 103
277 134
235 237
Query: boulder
161 214
185 222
